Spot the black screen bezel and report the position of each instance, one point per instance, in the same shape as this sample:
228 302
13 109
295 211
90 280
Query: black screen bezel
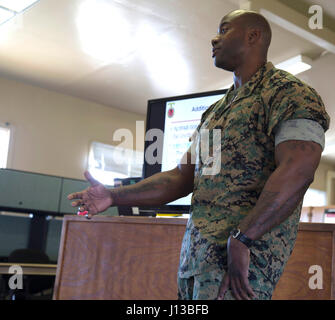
149 170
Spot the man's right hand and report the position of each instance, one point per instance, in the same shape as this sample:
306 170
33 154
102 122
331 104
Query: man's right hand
156 190
95 199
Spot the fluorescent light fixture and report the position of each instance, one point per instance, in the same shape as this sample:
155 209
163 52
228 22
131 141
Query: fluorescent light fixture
104 32
296 64
166 66
5 15
17 5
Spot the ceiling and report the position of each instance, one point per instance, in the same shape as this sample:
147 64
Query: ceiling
121 53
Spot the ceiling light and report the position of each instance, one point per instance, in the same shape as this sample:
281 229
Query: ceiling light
17 5
165 64
104 32
296 64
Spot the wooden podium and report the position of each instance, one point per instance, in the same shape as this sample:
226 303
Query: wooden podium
123 258
315 246
136 258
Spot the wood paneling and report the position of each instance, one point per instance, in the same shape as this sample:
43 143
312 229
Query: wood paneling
119 258
314 246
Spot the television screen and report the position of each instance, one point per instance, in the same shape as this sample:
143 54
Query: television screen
177 117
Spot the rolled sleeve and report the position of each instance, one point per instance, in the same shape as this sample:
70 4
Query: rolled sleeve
300 129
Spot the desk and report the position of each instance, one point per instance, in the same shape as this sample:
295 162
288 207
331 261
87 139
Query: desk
30 268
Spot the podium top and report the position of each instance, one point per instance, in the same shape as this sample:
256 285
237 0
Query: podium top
306 226
127 219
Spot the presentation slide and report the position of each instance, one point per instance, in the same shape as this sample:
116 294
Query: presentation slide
181 119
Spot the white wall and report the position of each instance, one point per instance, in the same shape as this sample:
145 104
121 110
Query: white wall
52 131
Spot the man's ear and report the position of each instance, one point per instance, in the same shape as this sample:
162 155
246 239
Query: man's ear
254 35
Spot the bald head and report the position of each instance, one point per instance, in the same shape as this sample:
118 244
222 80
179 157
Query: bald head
243 39
251 20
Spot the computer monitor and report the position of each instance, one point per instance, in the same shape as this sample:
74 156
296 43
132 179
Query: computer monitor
177 117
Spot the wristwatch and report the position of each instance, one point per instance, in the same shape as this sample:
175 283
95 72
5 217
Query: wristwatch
238 235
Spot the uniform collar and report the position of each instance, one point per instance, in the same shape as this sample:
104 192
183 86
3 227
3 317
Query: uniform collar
248 88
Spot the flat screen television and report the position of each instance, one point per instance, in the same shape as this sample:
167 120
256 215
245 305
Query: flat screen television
177 117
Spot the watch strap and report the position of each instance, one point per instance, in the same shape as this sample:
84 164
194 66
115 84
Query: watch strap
237 234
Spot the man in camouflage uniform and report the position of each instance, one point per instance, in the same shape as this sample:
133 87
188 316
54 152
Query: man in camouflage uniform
271 108
249 179
221 201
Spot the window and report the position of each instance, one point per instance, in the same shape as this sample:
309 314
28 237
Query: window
4 145
107 162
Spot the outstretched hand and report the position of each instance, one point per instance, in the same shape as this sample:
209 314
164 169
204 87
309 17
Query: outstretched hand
95 199
237 276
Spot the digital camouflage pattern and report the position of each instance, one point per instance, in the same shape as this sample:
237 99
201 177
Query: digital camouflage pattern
205 286
247 122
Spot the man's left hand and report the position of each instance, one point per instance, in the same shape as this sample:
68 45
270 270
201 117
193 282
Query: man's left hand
237 276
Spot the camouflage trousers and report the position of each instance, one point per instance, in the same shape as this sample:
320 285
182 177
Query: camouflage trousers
205 286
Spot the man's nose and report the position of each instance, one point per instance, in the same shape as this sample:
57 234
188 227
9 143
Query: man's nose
215 40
